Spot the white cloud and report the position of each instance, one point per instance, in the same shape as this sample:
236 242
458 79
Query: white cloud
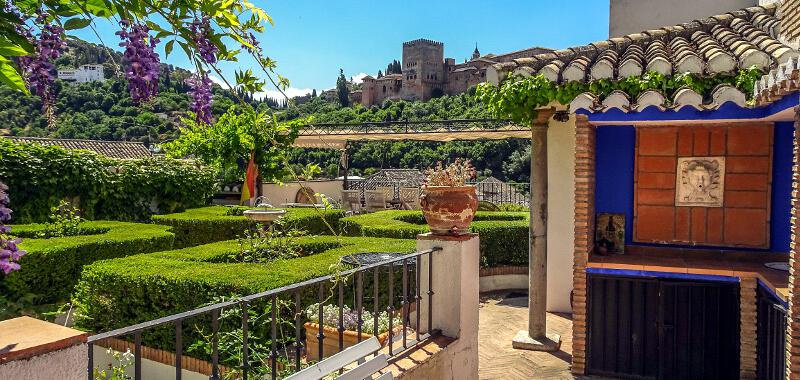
291 92
358 78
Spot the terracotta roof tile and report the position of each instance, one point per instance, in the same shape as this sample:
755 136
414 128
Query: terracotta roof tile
113 149
708 46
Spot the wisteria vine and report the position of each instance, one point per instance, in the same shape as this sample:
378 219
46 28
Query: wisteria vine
200 91
9 251
38 67
143 63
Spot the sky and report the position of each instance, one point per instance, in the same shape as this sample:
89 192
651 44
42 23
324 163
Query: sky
311 40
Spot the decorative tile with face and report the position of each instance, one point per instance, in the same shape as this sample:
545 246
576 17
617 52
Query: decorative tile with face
700 181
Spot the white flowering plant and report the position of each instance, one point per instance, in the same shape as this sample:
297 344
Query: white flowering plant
453 175
330 317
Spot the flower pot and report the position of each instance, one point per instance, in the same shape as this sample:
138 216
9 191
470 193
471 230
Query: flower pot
330 344
449 210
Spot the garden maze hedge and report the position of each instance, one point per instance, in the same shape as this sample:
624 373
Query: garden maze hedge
52 266
503 235
124 291
210 224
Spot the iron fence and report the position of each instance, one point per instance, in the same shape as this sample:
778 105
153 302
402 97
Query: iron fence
504 192
405 127
407 298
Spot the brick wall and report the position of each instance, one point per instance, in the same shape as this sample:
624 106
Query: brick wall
793 329
747 328
584 235
743 221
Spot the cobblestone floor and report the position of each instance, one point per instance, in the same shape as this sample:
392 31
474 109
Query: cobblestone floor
501 316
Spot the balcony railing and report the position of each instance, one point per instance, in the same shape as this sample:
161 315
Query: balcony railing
410 294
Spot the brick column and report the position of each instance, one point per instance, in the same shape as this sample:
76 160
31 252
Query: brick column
747 328
793 329
584 235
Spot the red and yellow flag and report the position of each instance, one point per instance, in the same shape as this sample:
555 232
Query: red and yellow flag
249 187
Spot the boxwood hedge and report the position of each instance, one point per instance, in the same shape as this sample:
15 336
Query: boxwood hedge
504 235
129 290
211 224
52 266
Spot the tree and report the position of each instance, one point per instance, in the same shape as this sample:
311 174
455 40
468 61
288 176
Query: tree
228 142
314 93
341 89
380 74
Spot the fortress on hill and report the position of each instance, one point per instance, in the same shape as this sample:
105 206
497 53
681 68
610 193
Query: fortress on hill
428 74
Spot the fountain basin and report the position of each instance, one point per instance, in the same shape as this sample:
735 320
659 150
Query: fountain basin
262 216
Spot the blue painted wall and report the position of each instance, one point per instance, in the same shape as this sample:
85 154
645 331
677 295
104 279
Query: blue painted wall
615 171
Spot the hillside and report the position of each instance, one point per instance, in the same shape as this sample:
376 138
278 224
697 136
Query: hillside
105 111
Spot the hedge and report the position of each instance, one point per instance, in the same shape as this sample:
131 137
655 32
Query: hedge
125 291
503 235
104 188
52 266
211 224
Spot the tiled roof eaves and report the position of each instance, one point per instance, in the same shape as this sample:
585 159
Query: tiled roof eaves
721 43
113 149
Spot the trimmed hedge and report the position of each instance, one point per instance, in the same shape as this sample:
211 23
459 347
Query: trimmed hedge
124 291
52 266
211 224
503 235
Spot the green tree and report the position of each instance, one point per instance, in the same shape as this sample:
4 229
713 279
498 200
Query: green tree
341 89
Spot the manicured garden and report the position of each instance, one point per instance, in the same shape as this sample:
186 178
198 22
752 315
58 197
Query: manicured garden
216 223
503 235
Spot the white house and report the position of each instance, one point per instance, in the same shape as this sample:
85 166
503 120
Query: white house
83 74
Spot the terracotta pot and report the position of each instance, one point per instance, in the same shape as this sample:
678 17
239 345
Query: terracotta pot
330 345
449 210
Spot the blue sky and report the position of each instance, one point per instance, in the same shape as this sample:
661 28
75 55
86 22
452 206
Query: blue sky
311 40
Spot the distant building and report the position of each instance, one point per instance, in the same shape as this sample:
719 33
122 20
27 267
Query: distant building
428 74
83 74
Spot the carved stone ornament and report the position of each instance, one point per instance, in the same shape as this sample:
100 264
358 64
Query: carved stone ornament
700 181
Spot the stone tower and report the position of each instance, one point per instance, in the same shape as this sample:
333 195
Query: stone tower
423 69
476 54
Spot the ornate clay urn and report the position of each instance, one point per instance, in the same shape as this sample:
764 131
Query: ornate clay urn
449 210
447 202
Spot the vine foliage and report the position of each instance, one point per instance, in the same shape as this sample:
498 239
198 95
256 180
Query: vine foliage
101 187
519 97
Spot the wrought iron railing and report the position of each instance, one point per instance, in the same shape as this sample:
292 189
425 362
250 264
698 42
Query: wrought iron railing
432 126
407 339
504 192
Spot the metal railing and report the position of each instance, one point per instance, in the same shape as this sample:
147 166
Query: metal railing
504 192
295 291
406 127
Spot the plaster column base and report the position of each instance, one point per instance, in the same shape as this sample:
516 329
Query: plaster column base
551 342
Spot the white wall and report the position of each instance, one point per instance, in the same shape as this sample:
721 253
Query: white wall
634 16
66 364
277 194
151 370
560 213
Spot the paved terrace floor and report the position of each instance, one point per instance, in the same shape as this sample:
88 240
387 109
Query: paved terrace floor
502 314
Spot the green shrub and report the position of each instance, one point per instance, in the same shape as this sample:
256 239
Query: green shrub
211 224
503 235
52 266
129 290
39 177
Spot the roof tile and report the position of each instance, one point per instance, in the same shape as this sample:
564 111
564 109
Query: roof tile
113 149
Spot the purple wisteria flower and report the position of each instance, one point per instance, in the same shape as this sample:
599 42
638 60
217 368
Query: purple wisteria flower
9 251
201 30
38 67
143 63
200 91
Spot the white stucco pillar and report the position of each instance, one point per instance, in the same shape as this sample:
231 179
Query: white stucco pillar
560 214
454 282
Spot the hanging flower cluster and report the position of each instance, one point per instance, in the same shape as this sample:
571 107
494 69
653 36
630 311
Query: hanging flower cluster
143 63
200 91
38 67
201 29
9 252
